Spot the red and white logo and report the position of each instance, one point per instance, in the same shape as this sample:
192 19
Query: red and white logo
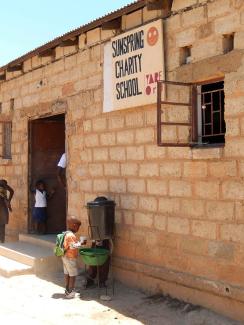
152 36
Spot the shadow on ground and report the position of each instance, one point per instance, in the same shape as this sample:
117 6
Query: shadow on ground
156 309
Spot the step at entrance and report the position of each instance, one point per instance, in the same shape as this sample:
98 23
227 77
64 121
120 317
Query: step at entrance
44 240
32 253
10 267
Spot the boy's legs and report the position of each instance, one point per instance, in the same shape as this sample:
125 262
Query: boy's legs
91 276
42 228
70 293
72 283
66 281
38 227
2 233
66 275
103 272
35 226
70 273
92 272
45 227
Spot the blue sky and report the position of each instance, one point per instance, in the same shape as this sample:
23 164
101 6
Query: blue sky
27 24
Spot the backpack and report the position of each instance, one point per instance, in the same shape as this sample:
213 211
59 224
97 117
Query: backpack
59 246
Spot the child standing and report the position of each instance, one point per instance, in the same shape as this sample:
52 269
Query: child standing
39 214
5 206
70 257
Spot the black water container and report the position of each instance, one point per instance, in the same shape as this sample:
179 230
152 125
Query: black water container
101 218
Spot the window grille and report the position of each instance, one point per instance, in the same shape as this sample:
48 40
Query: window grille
212 113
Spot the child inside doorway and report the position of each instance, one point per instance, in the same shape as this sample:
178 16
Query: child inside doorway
39 214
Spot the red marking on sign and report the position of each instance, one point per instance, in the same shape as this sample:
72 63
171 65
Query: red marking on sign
153 77
152 36
148 90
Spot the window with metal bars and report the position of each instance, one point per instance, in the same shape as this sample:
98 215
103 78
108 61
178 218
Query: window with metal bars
211 124
190 114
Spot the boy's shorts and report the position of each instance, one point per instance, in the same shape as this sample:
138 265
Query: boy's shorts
70 266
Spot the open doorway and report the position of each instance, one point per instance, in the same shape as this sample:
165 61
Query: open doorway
46 145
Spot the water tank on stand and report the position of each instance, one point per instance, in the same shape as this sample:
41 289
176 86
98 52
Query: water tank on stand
101 213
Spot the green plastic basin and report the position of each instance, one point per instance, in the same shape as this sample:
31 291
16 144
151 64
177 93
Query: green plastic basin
94 256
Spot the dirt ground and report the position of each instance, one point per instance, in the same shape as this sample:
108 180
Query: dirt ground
31 300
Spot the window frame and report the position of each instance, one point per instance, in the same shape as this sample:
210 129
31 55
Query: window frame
190 104
195 141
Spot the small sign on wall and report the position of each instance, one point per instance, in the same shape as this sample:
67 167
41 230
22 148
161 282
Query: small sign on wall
133 63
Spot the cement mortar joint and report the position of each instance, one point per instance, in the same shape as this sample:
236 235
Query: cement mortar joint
84 92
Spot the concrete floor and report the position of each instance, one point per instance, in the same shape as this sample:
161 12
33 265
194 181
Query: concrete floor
29 300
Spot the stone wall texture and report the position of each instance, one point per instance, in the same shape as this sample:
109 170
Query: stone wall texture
179 211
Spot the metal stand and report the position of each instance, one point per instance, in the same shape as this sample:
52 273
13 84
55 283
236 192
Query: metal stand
110 272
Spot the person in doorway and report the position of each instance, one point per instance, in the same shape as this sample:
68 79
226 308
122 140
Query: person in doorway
39 214
103 269
70 257
62 164
5 206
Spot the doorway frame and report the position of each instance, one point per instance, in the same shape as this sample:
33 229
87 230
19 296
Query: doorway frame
29 160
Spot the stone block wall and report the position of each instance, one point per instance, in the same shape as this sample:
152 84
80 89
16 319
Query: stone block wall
179 211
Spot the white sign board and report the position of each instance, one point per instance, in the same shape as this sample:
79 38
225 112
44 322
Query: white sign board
133 63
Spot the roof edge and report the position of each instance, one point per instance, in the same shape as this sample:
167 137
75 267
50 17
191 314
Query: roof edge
82 29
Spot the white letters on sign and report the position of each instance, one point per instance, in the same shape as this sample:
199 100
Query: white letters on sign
133 63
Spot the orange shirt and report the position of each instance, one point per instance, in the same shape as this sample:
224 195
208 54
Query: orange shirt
70 239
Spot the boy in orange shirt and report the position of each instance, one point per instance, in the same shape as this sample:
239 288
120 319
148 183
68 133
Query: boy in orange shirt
70 257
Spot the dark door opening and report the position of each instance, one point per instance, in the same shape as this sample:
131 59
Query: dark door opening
46 145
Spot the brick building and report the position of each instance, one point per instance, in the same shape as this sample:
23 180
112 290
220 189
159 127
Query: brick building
176 177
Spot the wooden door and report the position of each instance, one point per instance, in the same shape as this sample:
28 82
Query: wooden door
47 144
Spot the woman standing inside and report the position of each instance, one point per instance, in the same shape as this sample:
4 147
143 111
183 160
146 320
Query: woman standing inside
5 206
